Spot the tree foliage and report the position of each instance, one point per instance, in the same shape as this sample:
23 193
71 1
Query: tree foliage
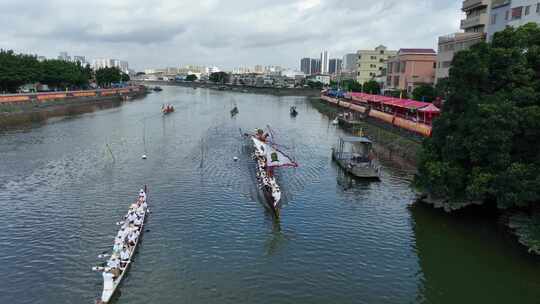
485 145
371 87
351 85
107 76
315 84
219 77
191 77
424 92
19 69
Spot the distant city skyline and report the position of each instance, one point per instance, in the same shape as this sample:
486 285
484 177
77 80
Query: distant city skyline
262 32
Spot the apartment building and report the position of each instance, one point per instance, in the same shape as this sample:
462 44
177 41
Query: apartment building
371 62
411 68
514 13
449 45
476 12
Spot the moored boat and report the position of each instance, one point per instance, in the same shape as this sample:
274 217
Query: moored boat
125 246
267 158
354 155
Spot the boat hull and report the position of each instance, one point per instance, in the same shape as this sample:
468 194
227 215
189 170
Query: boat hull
364 170
107 294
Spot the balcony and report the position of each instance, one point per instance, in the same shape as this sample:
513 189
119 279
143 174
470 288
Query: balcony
470 4
474 21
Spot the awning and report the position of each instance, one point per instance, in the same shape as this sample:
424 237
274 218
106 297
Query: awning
431 108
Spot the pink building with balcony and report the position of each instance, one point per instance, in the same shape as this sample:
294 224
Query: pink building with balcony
411 68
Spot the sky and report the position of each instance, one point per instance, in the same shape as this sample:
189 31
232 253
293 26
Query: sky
227 34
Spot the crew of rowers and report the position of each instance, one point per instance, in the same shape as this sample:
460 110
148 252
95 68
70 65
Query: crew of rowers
166 108
127 236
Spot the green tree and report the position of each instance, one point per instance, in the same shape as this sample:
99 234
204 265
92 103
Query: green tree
191 77
219 77
424 92
106 76
351 85
371 87
315 84
485 144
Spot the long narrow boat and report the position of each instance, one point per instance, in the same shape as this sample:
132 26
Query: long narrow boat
268 157
110 284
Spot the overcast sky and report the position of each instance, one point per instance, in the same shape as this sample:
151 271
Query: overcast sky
223 33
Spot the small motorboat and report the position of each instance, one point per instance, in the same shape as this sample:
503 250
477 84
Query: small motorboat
293 111
157 89
335 122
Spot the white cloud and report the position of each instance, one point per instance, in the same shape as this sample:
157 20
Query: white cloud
225 33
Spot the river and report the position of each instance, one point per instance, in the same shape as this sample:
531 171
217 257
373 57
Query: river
209 238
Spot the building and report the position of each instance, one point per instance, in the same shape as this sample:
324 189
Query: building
305 65
476 12
334 66
498 17
449 45
371 62
523 12
513 13
80 59
349 62
324 62
410 68
64 56
315 66
100 63
324 79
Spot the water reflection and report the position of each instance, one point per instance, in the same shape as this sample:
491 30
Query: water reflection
468 259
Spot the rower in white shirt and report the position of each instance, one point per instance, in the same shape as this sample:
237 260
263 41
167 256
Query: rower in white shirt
138 221
132 238
132 216
124 256
142 194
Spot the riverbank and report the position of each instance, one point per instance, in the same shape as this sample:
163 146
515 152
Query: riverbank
524 226
243 89
27 108
388 143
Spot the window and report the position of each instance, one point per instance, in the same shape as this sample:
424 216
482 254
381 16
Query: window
527 10
381 60
538 7
506 14
373 57
493 19
434 65
516 12
382 52
359 56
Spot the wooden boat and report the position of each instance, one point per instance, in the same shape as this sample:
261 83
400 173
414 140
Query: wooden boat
167 109
234 111
110 284
353 154
267 158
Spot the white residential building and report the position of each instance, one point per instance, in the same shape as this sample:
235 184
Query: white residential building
325 60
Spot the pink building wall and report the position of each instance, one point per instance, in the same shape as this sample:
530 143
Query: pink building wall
410 68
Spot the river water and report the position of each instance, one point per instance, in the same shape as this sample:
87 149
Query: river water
210 238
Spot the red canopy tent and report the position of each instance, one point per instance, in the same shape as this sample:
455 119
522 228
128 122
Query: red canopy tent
429 112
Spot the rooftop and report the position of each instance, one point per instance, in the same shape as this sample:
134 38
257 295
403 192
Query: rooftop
417 51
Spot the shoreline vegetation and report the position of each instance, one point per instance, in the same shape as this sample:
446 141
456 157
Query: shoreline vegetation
308 92
484 147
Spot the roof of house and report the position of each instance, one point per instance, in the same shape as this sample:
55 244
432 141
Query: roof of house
416 51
